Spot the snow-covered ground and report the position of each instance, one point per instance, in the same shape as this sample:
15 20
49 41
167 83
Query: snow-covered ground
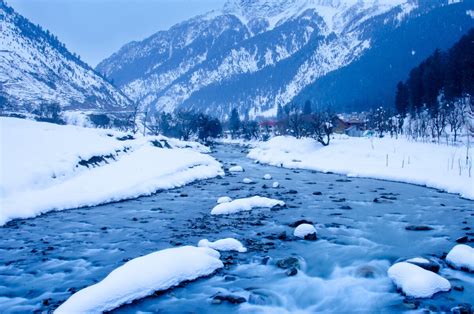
432 165
143 276
41 170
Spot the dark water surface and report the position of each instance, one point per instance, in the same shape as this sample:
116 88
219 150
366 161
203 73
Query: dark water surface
45 259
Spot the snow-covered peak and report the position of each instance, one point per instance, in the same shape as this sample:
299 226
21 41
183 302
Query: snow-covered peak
337 14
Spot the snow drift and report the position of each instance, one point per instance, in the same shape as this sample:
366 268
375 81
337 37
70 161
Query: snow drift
143 276
41 167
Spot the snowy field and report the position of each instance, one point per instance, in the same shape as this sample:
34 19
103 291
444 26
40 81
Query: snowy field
438 166
50 167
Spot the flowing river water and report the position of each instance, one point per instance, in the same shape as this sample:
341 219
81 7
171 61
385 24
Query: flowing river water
46 259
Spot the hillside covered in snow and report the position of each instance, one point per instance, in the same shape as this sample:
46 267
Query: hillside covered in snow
36 68
256 55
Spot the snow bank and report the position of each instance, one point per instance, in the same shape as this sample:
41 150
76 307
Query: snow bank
304 230
245 204
227 244
461 257
417 282
236 169
143 276
223 199
41 172
427 164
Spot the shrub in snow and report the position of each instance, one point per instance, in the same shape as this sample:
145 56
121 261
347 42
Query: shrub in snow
143 276
305 231
461 257
247 180
245 204
227 244
417 282
276 184
267 176
223 199
236 169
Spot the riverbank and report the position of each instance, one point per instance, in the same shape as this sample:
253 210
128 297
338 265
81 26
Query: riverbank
437 166
48 167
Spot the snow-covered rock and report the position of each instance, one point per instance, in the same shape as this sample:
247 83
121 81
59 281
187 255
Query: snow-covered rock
227 244
245 204
461 257
267 176
223 199
236 169
408 161
276 184
142 276
305 231
55 179
247 180
417 282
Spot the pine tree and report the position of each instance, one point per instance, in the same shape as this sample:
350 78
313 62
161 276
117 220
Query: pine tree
280 113
402 98
234 122
307 108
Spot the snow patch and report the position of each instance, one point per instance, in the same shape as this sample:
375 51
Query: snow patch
247 180
143 276
227 244
417 282
245 204
304 230
223 199
236 169
461 257
267 176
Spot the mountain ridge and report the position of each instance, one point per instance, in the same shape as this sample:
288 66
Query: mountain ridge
36 68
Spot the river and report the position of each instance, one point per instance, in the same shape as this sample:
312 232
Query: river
45 259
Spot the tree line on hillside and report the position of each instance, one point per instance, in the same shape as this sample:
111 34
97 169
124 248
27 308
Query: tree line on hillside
439 92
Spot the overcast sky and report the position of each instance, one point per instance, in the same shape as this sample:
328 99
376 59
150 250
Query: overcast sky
95 29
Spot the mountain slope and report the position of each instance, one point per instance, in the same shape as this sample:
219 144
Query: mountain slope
36 68
255 55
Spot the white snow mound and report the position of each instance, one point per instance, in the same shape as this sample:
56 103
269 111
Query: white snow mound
227 244
223 199
143 276
417 282
276 184
267 176
303 230
236 169
461 257
245 204
247 180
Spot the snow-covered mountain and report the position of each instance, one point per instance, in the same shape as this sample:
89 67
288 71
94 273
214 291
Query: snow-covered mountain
257 54
36 68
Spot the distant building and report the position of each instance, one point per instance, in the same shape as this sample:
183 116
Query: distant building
351 125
